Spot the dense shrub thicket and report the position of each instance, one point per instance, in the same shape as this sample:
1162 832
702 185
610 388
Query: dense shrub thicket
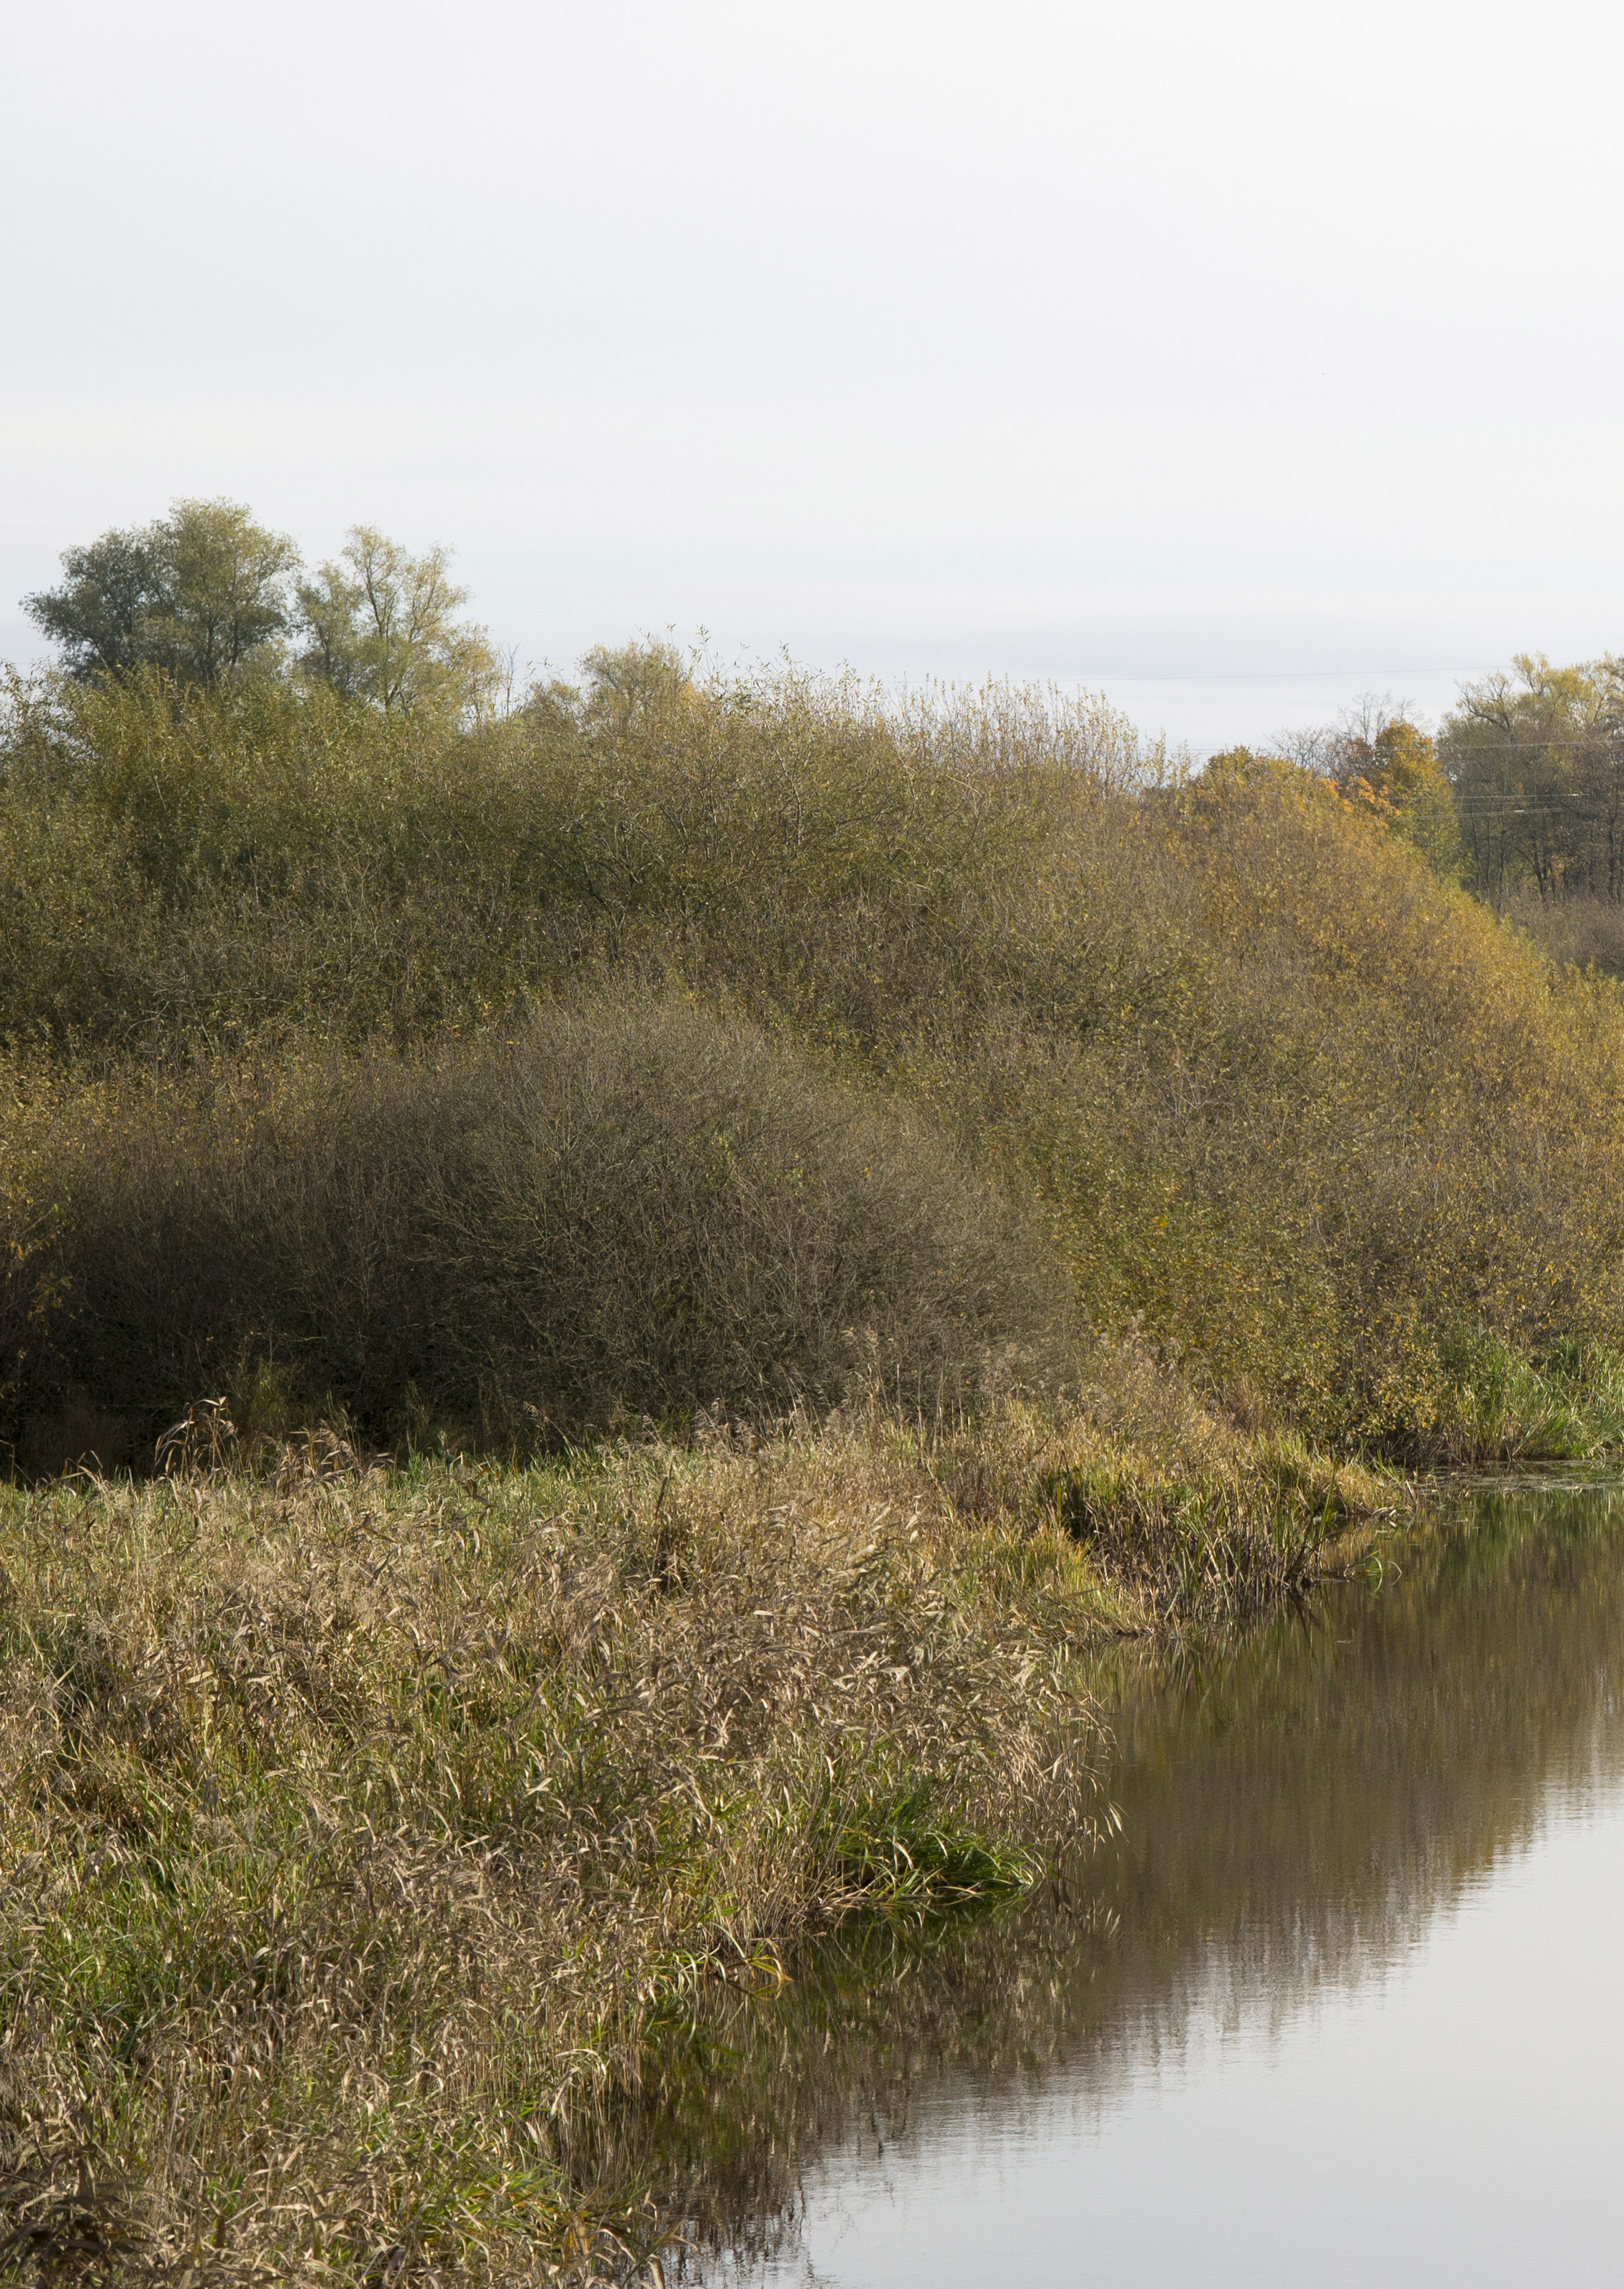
1300 1113
618 1213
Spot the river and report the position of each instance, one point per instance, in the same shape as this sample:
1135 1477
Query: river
1343 2003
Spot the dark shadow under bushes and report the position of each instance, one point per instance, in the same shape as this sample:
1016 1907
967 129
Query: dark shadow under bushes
625 1211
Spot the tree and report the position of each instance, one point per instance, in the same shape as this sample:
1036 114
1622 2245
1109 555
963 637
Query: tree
381 625
202 593
1382 762
1537 762
1390 766
96 615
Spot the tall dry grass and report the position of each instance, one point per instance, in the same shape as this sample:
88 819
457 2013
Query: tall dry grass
357 1827
351 1825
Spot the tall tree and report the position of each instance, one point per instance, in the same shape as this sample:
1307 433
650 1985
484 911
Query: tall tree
383 625
202 593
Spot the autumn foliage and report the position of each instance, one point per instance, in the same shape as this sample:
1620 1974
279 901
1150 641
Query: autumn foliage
1271 1093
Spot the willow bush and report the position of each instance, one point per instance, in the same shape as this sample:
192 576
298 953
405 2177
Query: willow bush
623 1212
1299 1116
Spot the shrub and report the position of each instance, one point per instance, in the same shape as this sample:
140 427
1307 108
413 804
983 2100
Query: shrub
1292 1108
642 1210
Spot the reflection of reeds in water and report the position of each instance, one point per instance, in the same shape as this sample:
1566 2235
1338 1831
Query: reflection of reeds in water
1294 1813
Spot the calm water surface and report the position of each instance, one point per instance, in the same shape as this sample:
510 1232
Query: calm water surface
1345 2005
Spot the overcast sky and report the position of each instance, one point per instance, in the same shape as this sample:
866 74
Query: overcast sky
1235 358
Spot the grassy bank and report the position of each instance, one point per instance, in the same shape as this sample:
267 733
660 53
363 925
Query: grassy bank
354 1822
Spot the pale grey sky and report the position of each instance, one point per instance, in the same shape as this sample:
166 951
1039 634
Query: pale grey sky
1237 358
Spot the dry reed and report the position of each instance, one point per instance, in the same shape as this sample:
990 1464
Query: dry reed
354 1822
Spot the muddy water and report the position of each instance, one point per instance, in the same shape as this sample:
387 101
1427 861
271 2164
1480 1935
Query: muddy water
1345 2005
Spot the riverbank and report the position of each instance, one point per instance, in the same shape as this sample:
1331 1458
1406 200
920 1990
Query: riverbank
1083 1160
1126 2060
356 1821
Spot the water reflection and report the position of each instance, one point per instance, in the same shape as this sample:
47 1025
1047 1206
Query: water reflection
1363 1906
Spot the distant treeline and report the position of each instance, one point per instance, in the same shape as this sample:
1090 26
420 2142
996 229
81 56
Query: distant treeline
319 994
1520 794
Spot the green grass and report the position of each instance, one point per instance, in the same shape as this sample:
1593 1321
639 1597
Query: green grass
1498 1406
